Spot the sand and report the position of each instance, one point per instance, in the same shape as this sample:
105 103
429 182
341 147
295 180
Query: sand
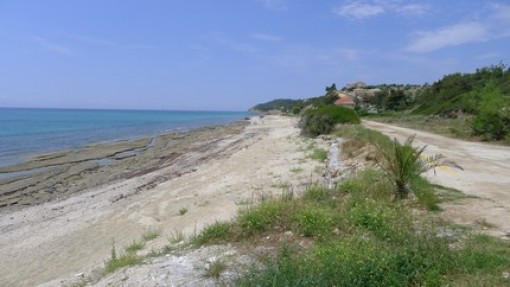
212 173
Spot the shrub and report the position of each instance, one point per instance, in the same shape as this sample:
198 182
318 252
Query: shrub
401 163
492 125
322 120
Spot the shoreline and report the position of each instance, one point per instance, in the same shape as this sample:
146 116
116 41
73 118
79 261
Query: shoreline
217 172
45 176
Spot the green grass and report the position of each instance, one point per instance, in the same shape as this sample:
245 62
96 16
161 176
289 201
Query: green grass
151 234
116 262
216 232
183 211
380 242
135 246
128 259
319 154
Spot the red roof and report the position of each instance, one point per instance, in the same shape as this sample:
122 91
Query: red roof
344 101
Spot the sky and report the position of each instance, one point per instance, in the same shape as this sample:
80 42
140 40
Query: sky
233 54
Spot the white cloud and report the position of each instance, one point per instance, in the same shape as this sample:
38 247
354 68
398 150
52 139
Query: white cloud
53 47
359 10
448 36
493 24
367 9
412 9
266 37
273 4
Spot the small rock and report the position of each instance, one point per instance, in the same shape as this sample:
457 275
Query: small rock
505 275
289 233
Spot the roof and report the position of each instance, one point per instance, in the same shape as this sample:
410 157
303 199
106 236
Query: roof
344 101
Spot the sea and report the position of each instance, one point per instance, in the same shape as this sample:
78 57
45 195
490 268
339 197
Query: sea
25 132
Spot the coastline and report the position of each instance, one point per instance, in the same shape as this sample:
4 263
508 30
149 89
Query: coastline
212 173
62 173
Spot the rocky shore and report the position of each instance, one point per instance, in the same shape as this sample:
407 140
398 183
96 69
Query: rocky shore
60 222
64 173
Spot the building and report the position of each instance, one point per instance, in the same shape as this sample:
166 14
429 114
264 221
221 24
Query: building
345 101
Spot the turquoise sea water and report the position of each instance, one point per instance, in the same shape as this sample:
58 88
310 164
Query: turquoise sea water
24 132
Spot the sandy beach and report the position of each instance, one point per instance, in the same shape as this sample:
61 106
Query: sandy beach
61 221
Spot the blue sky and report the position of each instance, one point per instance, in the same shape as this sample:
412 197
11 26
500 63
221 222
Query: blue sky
233 54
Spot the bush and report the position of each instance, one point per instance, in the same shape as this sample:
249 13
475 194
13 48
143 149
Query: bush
401 163
322 120
492 125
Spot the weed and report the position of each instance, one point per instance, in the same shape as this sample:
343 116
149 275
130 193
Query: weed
176 237
116 262
151 234
183 211
318 193
319 154
134 247
217 232
215 268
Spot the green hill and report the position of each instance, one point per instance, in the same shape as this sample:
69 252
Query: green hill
484 94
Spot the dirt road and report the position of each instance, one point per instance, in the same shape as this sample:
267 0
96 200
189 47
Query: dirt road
486 175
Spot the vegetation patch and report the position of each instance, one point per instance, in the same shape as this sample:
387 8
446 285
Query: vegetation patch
151 234
323 120
319 154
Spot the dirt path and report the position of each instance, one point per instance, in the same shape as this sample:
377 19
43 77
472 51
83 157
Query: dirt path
52 242
486 175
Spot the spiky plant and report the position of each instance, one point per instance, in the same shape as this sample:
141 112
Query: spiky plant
401 163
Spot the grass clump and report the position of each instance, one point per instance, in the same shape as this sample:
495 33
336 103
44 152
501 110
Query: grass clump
319 154
214 233
135 246
215 268
151 234
176 237
183 211
116 262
